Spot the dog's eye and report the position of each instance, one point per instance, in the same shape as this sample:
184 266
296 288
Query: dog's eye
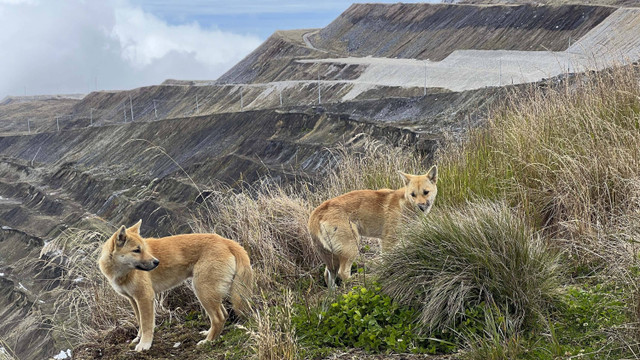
425 192
136 250
413 194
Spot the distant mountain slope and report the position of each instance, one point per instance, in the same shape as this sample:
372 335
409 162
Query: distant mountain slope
414 31
433 31
276 59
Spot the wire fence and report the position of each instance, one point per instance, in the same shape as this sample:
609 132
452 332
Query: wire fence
317 84
142 106
322 84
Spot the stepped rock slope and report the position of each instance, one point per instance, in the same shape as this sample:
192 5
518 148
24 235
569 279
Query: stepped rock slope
616 38
276 60
454 47
434 31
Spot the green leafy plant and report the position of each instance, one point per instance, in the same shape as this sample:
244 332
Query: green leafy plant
370 320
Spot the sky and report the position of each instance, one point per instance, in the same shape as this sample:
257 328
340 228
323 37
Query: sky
78 46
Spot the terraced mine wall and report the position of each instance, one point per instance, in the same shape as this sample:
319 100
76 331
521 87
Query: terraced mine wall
433 31
453 47
276 60
167 102
15 114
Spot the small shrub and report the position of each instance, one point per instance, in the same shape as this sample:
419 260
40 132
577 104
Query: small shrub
455 259
367 319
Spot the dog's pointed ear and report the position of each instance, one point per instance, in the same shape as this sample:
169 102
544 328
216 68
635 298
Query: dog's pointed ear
432 174
136 228
121 236
405 177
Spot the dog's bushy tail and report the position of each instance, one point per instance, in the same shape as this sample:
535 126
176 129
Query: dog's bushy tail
242 286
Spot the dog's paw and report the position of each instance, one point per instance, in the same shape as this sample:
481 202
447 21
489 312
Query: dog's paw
202 342
142 346
204 333
136 339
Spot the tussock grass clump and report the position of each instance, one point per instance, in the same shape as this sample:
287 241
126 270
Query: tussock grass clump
453 260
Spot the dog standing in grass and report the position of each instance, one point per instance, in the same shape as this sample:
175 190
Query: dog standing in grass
337 224
139 268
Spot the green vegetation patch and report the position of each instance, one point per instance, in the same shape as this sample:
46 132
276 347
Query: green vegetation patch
585 322
365 318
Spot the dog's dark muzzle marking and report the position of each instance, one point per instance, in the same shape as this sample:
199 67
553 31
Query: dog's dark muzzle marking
148 267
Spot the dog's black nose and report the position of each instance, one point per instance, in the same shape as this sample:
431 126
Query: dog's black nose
422 206
156 262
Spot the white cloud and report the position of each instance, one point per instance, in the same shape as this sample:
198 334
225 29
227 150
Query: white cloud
226 7
16 2
141 48
64 46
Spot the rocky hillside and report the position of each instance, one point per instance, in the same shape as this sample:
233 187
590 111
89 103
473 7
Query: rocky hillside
25 113
434 31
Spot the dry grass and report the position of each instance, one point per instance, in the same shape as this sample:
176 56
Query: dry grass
568 155
274 335
369 164
271 223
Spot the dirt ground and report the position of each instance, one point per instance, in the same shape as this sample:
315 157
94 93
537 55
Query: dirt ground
180 343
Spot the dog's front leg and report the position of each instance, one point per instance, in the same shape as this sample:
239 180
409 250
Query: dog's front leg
147 321
137 313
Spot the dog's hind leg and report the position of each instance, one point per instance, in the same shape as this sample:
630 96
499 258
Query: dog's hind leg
211 286
345 268
349 237
330 277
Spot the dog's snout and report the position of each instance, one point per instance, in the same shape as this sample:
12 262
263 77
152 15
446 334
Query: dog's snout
422 206
156 262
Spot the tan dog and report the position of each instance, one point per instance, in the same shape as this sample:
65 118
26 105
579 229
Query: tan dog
139 268
337 224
